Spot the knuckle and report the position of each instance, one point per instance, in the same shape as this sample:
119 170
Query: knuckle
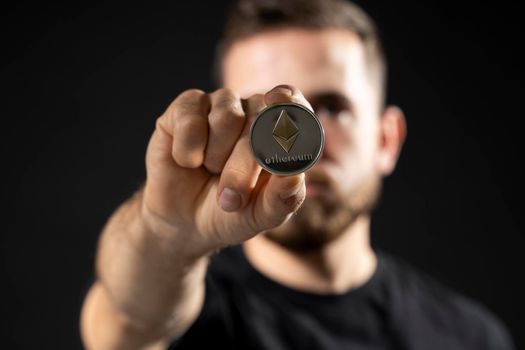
191 128
226 111
185 160
261 218
190 132
296 92
192 101
300 100
188 157
188 101
159 123
236 172
239 178
294 201
227 95
214 165
177 156
254 104
190 94
222 118
256 98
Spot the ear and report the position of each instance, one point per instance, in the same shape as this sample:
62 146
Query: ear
392 134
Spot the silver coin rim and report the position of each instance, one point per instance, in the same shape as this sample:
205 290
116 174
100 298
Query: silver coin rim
302 170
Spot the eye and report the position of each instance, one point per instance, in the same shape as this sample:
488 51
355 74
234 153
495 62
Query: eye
333 110
333 105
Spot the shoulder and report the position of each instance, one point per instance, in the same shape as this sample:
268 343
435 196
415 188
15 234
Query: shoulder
424 301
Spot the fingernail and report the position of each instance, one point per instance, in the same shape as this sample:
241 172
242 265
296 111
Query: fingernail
282 90
230 200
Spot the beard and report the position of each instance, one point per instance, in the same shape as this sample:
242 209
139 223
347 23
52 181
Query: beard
322 219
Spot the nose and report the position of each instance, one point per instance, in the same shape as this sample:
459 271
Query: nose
330 136
326 120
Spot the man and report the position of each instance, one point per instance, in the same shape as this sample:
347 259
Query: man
215 251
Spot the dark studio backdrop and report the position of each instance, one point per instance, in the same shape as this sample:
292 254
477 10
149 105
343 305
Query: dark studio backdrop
83 84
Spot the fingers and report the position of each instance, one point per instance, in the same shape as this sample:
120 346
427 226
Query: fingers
282 195
240 173
212 130
205 127
226 121
285 93
186 121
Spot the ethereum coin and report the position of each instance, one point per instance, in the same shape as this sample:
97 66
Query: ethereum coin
286 138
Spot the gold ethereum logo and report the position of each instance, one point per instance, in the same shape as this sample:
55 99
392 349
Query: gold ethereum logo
285 131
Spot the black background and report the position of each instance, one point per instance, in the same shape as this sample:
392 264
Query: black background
82 85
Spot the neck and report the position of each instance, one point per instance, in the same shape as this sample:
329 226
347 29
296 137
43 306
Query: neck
340 265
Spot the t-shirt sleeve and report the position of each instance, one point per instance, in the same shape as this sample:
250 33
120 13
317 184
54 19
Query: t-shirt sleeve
498 337
451 320
213 325
487 331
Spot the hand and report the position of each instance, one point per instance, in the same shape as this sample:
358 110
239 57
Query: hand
203 183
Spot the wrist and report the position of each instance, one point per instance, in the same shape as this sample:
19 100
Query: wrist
178 238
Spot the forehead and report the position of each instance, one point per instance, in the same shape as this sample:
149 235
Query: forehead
313 60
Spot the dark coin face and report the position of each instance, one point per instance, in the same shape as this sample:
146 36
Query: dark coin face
286 139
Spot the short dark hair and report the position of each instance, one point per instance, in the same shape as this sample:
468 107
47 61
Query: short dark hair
249 17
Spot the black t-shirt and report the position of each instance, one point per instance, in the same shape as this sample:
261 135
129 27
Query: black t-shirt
398 308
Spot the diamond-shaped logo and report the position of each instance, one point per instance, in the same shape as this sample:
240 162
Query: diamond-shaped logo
285 131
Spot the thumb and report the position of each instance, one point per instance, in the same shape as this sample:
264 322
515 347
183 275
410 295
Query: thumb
280 197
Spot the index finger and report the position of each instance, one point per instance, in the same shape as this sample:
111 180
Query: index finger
286 93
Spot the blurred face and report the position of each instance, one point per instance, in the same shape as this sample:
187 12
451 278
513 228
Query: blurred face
328 66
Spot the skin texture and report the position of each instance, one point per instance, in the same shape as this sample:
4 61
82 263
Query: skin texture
204 190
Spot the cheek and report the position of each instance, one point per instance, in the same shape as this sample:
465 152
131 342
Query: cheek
352 151
339 140
343 142
365 143
335 141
